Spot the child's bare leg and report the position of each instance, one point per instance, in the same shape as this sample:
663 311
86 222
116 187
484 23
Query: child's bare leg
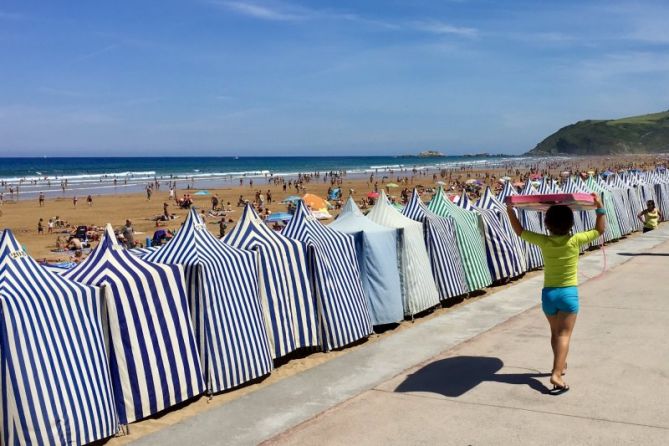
562 328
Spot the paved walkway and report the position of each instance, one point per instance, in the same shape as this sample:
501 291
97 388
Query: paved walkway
477 375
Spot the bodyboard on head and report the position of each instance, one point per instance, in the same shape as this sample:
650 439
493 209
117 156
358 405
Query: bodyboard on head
541 202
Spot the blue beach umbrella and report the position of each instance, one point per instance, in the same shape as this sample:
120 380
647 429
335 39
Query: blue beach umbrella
292 199
202 192
279 216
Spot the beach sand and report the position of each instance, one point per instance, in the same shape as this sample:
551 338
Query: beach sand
22 216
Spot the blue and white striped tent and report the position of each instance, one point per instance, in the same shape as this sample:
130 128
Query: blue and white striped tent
442 248
287 302
55 386
612 231
583 220
503 260
532 221
152 352
225 308
633 199
335 279
418 286
498 209
621 208
376 246
661 181
143 252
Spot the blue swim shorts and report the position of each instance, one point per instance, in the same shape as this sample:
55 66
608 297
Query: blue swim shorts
563 299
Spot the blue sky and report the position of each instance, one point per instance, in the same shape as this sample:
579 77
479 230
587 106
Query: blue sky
265 77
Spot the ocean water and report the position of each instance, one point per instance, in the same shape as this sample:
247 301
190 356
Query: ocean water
112 175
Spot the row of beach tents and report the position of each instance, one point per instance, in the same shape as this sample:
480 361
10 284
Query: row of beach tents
127 334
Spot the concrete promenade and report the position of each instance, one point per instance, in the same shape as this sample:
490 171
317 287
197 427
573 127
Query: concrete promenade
478 375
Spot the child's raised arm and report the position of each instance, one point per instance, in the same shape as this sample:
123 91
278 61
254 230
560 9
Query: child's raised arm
515 223
600 223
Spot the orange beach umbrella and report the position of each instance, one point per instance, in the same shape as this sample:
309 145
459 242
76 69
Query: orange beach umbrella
315 202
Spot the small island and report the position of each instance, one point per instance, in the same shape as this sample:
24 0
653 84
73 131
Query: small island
430 154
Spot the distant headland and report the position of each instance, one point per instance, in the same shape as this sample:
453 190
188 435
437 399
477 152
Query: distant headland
635 134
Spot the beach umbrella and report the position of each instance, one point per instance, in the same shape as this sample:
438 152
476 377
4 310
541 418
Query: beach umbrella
279 216
322 214
291 199
373 195
202 192
393 185
315 202
505 178
440 183
470 181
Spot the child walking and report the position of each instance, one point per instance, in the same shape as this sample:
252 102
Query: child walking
559 297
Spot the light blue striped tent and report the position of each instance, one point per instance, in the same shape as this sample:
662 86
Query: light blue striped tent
469 235
335 279
489 202
225 308
503 260
442 248
418 286
378 258
530 220
288 304
152 352
55 386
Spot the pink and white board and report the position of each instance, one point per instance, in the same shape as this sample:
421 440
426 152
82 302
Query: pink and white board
578 202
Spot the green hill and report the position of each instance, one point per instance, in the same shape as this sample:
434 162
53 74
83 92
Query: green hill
636 134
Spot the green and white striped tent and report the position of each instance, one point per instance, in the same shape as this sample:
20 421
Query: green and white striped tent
470 239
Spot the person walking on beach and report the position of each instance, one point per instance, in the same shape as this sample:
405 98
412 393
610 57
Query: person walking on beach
559 297
41 199
129 235
89 200
40 227
74 201
650 216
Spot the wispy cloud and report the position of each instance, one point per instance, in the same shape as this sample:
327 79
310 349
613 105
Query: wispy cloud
262 12
286 12
436 27
96 53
